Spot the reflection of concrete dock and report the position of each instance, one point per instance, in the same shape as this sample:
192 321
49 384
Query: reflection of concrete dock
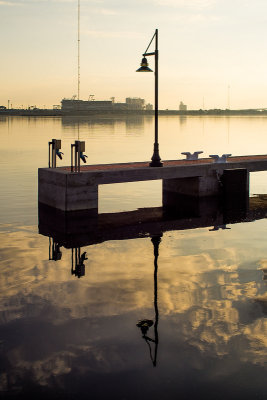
69 191
77 229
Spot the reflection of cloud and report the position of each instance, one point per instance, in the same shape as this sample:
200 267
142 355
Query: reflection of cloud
263 265
65 322
256 333
41 371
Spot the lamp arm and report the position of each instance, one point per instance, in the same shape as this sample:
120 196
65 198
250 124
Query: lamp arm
151 41
149 54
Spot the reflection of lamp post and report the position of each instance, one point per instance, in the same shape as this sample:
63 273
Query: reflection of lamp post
144 68
156 241
145 324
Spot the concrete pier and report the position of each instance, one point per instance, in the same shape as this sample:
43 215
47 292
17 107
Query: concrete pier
72 191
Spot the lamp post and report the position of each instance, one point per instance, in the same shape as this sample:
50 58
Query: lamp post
145 68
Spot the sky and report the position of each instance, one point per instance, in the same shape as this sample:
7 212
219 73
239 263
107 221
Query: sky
212 53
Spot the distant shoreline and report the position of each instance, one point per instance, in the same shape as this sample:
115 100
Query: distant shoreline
60 113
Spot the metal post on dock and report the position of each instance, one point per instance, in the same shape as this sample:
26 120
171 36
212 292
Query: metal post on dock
78 148
53 150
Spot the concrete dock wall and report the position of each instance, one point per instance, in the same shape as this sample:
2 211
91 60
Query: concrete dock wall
67 191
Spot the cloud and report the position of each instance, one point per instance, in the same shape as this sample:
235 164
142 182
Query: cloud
75 1
106 11
110 34
24 2
196 4
9 3
195 18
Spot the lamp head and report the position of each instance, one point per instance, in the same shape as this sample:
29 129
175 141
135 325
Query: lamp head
144 66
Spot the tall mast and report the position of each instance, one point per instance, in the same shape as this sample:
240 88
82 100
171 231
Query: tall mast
78 50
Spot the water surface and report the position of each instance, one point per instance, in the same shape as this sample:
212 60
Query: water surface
68 332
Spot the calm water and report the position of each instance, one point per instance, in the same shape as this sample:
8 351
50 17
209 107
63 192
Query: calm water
71 332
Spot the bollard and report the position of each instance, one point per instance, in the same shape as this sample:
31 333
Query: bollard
192 156
218 159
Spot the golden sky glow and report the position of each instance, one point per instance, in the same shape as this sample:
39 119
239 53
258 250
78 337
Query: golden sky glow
211 51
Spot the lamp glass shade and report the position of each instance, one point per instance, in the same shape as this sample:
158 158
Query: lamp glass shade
144 66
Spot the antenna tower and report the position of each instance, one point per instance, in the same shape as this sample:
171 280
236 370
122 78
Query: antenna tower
78 50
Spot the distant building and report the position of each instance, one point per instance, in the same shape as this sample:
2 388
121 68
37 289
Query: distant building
131 103
119 106
135 103
83 105
182 106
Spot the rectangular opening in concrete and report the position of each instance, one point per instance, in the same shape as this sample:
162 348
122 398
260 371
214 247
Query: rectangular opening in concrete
258 182
129 196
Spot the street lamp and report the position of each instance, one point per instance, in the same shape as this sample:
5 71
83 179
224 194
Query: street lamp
145 68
